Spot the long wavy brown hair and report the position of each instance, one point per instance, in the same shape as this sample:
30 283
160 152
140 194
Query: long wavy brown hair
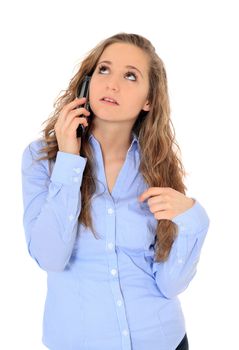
160 163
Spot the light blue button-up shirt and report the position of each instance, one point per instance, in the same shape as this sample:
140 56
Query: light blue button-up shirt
107 293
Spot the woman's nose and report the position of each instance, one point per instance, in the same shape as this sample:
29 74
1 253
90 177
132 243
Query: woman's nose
113 83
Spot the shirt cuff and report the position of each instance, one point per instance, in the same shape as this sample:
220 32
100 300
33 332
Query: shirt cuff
192 220
68 168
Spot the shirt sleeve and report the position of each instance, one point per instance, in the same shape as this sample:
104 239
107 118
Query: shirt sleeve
174 275
51 205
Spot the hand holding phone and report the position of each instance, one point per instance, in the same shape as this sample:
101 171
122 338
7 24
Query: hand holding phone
67 123
73 115
83 91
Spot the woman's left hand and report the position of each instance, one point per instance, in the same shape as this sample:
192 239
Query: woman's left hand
165 202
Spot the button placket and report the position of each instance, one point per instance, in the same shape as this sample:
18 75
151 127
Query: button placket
110 246
119 302
110 211
113 272
125 332
112 258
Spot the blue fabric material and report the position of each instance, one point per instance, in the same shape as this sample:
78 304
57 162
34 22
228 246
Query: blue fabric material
107 293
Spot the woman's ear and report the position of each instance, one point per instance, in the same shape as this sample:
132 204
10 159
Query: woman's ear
146 107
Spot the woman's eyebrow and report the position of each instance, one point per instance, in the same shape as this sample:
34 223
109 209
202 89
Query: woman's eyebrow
128 66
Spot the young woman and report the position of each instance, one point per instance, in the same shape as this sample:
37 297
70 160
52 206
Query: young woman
106 215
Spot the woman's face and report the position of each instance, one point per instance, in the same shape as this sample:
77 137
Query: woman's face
116 80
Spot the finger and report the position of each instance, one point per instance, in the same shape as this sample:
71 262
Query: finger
70 106
152 191
164 215
156 200
76 113
159 207
77 121
71 129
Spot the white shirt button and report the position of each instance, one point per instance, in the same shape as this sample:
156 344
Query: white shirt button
125 332
76 179
110 245
113 272
110 211
119 302
180 261
77 170
71 217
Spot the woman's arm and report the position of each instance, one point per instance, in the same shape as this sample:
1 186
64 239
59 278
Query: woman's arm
174 275
52 205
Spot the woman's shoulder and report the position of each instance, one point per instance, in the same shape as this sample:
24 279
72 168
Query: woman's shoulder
32 153
34 147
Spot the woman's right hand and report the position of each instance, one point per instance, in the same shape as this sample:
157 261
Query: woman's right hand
66 125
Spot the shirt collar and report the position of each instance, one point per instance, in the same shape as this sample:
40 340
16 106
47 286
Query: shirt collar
134 143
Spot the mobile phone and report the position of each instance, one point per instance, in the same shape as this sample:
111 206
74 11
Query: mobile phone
83 91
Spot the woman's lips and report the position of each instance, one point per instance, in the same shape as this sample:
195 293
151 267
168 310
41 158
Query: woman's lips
109 103
109 99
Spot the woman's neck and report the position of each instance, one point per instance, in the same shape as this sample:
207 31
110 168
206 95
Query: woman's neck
114 142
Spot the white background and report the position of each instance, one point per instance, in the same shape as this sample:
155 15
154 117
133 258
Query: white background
41 43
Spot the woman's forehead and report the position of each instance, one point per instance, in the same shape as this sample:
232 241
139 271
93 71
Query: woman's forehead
125 54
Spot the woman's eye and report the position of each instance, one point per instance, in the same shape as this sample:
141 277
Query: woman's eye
103 69
132 75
